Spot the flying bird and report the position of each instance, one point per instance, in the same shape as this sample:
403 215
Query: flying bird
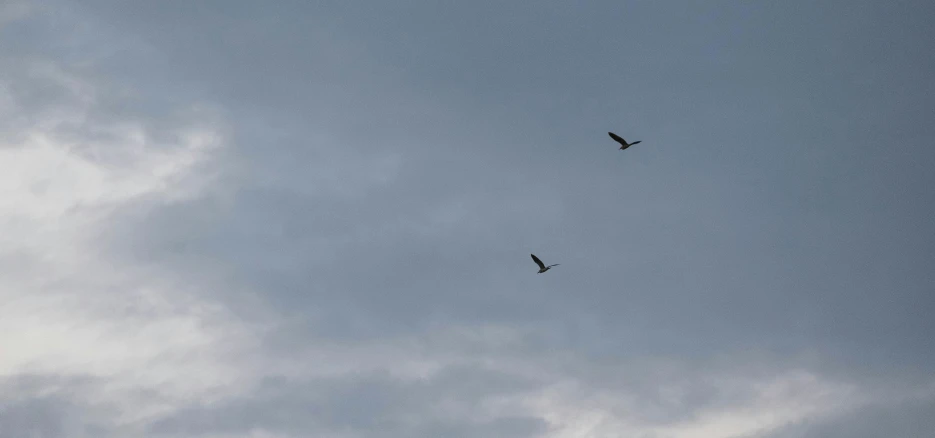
623 143
542 266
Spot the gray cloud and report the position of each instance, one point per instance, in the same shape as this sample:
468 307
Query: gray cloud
50 406
361 405
388 170
911 418
708 234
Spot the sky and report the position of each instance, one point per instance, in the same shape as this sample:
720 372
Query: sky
314 219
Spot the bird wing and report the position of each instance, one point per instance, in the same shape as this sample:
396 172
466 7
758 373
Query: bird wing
553 265
617 138
538 262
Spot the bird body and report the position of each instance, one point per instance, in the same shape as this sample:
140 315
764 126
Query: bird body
623 143
542 266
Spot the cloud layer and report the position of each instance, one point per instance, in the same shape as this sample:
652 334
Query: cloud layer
228 220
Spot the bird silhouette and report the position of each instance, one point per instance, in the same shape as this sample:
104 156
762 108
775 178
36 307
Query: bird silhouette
542 266
623 143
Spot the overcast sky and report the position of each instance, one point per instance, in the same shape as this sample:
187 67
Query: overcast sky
230 218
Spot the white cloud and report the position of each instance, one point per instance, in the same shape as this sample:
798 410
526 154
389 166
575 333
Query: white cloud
742 403
70 308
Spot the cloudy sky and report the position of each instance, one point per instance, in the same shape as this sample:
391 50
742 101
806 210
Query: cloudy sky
231 218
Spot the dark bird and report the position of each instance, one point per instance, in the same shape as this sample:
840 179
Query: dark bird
542 266
623 143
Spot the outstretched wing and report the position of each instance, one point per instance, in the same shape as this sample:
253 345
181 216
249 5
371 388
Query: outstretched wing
553 265
538 262
617 138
